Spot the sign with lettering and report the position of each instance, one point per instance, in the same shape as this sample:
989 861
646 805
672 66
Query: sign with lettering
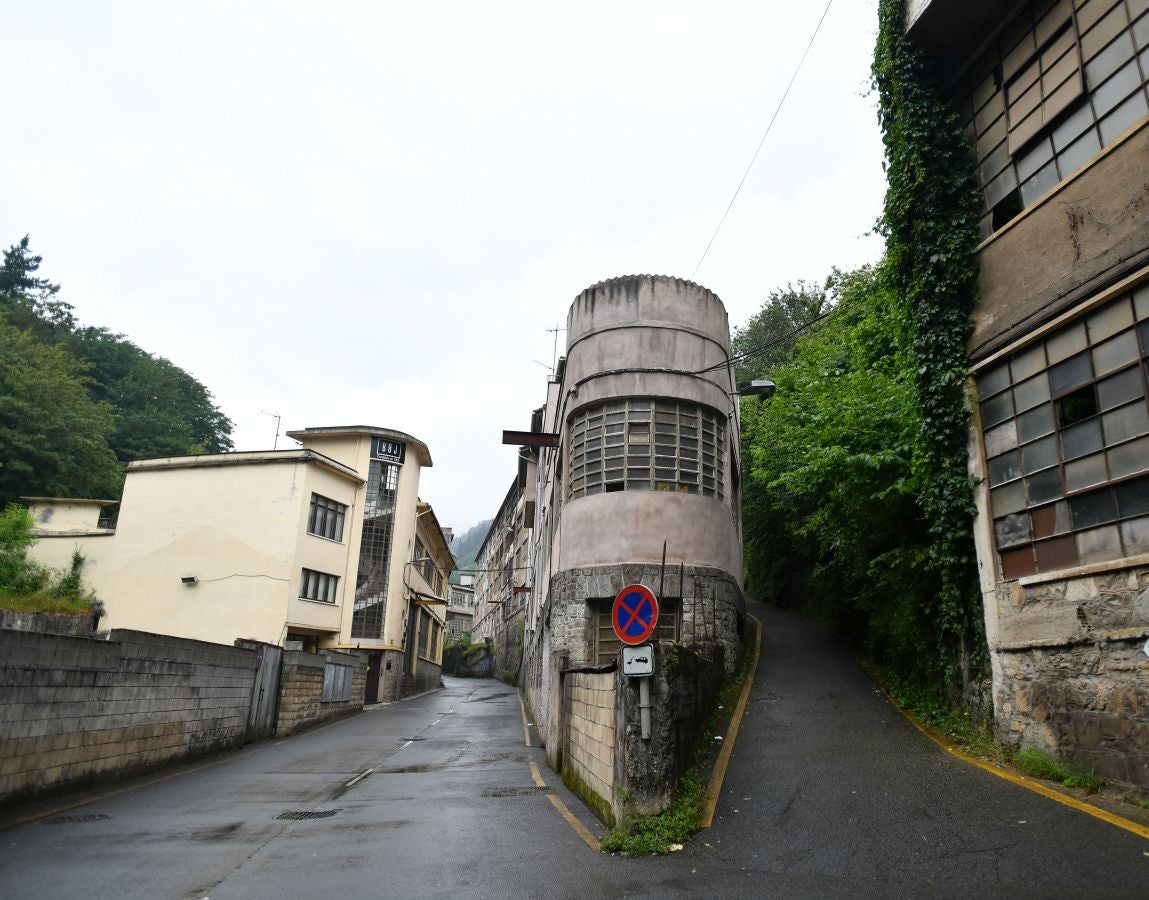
385 448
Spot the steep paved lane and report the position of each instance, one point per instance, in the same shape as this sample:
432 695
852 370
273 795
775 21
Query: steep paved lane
830 792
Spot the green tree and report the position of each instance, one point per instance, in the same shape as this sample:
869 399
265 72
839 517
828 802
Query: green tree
53 435
160 410
767 339
29 301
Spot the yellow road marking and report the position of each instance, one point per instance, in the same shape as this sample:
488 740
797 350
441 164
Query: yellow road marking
580 829
526 730
1022 781
536 776
714 786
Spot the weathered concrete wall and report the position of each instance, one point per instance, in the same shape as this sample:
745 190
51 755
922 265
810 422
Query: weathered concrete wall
79 625
1071 673
713 606
683 693
301 703
508 648
588 760
1074 242
72 708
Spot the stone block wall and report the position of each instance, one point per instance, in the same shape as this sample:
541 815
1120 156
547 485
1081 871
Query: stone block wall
73 708
684 692
1071 673
301 703
588 761
82 624
713 609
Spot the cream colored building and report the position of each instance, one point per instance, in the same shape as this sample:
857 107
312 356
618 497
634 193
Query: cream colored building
325 546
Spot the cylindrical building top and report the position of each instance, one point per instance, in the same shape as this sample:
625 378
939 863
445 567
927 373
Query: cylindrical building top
649 300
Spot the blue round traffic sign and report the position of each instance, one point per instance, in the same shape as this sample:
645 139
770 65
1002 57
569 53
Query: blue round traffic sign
635 614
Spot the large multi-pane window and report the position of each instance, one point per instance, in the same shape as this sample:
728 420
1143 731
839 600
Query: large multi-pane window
369 617
326 517
318 586
1066 431
1063 80
646 445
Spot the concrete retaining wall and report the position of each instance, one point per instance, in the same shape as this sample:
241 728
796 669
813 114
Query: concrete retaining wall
74 708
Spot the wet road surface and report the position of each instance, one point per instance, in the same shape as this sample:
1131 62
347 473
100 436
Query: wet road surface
830 792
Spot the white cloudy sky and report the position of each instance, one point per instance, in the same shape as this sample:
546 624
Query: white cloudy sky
371 212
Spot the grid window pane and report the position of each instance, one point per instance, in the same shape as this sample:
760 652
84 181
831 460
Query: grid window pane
1059 553
1133 498
994 381
1120 388
997 409
1135 536
1043 487
1115 353
647 446
1070 374
1035 423
1030 393
1013 530
1051 519
1066 343
1081 439
1085 472
1129 459
1004 468
1096 508
1008 499
1125 422
1000 439
1107 322
1039 455
1099 545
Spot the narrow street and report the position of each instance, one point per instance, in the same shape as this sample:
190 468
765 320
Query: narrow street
830 792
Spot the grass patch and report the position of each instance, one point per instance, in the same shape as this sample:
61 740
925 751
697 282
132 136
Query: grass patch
644 835
1038 764
45 601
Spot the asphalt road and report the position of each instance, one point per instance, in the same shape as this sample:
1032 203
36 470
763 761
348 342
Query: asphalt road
830 792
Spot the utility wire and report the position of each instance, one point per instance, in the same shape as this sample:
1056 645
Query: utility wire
785 338
765 134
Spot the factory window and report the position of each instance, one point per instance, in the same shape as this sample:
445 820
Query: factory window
326 517
1048 94
639 445
1065 426
317 586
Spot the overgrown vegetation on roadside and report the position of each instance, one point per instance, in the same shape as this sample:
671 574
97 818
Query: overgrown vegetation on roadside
857 504
28 586
662 833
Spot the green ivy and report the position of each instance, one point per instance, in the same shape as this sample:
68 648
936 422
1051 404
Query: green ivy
930 223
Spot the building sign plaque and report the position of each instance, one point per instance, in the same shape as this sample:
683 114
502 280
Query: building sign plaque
385 448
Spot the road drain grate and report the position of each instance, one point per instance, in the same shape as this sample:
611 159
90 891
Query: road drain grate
72 820
307 814
511 791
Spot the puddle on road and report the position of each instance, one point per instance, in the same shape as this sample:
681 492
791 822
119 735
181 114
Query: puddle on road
490 697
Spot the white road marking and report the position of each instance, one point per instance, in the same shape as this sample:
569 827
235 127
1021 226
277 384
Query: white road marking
360 777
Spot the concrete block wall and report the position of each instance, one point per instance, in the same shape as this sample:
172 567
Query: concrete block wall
590 737
74 708
301 702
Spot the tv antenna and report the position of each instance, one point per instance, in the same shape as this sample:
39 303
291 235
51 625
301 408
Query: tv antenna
277 417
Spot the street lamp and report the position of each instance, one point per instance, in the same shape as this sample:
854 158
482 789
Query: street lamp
764 390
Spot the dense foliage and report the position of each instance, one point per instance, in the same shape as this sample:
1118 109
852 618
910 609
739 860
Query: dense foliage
77 402
857 502
27 585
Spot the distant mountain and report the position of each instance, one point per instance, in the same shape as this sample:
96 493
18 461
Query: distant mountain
465 547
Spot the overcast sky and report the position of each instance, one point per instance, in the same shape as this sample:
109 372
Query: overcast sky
371 213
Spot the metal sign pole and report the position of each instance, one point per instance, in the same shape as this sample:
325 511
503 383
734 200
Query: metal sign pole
644 706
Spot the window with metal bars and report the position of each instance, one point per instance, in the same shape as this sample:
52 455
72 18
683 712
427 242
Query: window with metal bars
318 586
646 445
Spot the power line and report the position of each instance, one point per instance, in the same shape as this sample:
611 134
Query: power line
765 134
770 345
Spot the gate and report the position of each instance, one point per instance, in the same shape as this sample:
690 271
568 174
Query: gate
264 692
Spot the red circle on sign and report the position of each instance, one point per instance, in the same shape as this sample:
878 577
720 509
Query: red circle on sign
634 614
